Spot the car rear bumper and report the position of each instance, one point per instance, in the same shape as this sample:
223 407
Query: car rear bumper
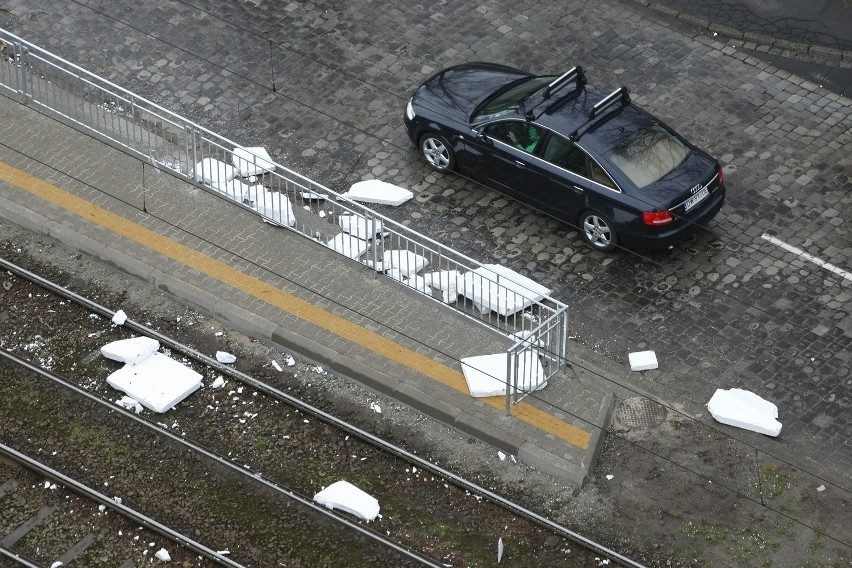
674 235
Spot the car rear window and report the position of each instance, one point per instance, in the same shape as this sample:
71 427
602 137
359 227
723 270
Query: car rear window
648 155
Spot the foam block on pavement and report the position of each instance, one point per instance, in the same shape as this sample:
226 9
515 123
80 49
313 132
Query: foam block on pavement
158 382
642 360
380 192
215 172
404 261
492 287
487 375
744 409
273 205
132 350
346 497
360 226
348 245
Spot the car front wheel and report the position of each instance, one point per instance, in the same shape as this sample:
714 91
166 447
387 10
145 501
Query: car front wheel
437 153
598 231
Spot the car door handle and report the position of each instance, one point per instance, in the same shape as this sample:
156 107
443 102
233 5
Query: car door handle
520 164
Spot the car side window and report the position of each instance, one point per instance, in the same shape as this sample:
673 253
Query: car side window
521 135
565 154
601 177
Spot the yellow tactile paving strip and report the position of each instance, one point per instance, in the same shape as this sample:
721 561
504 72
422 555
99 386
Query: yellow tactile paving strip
283 300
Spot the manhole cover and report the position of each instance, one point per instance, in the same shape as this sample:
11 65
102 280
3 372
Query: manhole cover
640 412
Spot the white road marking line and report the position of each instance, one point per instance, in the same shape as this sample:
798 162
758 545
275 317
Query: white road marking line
818 261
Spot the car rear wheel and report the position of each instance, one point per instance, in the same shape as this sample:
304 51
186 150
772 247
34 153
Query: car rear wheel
437 153
598 231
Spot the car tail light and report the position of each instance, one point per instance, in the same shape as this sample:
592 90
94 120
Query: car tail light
657 217
721 176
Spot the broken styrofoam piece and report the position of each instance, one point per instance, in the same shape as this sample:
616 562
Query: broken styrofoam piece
360 226
252 161
235 189
275 207
131 351
225 357
486 375
348 245
404 261
446 281
119 317
642 360
744 409
130 404
492 287
376 191
215 172
418 283
163 555
158 382
313 196
346 497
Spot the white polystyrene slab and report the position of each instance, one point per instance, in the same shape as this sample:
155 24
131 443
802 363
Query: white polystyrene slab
215 172
375 191
158 382
642 360
348 245
235 189
346 497
132 350
500 289
360 226
744 409
252 161
487 375
446 281
404 261
274 205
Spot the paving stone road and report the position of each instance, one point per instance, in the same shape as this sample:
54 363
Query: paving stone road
322 85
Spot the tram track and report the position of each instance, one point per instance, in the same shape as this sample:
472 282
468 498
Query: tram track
413 539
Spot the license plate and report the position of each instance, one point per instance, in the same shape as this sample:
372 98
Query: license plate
695 199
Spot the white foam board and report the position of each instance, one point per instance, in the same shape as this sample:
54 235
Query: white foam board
252 161
487 375
642 360
497 288
235 189
215 172
360 226
132 350
404 261
158 382
376 191
346 497
744 409
446 281
348 245
274 206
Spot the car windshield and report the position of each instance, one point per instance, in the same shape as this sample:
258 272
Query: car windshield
648 155
509 101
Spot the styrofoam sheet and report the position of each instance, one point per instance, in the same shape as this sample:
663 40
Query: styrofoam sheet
360 226
404 262
642 360
252 161
131 350
158 382
273 205
235 189
348 245
487 375
346 497
497 288
380 192
446 281
744 409
215 172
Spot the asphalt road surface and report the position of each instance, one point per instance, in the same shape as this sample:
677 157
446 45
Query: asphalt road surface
760 300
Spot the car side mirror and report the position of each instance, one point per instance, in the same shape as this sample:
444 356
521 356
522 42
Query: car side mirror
478 134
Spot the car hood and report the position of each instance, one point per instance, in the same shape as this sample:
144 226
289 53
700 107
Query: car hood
459 90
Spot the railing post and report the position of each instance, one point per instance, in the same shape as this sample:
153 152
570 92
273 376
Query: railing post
510 375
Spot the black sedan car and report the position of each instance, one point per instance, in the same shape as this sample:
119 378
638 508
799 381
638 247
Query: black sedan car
568 149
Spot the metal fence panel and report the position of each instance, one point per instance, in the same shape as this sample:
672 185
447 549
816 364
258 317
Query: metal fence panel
538 323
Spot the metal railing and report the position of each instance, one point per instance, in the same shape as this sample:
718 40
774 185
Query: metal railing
249 178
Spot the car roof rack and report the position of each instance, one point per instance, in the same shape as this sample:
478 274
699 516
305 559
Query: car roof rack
574 74
619 96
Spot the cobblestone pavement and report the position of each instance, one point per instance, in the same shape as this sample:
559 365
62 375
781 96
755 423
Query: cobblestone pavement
322 85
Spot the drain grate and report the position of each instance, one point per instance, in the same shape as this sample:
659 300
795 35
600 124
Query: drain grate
638 412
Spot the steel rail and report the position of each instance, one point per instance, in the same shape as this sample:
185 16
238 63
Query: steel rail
17 558
125 511
329 418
